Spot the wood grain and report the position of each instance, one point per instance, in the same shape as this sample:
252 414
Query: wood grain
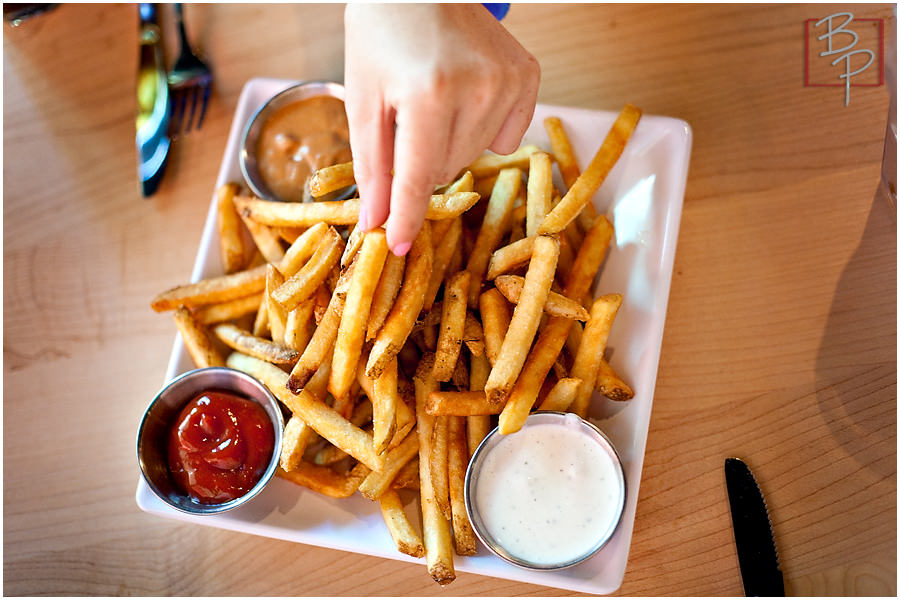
780 341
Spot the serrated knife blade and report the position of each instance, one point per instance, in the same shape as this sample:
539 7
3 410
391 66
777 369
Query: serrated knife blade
756 551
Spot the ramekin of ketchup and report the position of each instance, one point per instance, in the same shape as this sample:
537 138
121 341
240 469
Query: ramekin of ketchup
210 440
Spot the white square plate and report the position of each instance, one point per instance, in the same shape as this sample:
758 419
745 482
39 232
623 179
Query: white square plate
643 197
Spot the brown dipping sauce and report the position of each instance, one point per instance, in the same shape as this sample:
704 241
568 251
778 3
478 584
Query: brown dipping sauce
297 140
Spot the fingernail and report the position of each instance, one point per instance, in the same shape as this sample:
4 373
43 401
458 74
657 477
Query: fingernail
363 218
401 249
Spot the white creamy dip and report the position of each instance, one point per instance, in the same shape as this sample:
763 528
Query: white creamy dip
549 493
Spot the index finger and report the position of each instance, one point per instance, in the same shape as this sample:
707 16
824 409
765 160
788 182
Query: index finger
420 148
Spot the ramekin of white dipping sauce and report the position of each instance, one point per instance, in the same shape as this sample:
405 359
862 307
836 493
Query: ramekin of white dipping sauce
548 496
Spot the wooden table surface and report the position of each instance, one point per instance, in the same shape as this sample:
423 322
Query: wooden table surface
780 339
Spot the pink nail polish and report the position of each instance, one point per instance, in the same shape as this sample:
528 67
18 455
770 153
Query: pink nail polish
401 249
363 218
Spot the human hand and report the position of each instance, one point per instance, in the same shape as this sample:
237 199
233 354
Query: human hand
428 88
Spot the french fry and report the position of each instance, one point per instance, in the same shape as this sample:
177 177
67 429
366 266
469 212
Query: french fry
461 404
404 415
295 439
557 305
304 282
510 257
405 537
196 338
562 150
477 427
346 212
402 317
473 335
495 318
453 323
457 461
212 290
539 190
384 406
289 234
232 246
465 183
561 395
276 313
496 218
321 300
302 249
352 330
408 476
487 165
324 480
439 482
590 351
298 326
244 341
322 418
330 179
525 320
261 322
319 347
228 310
354 243
437 537
611 385
485 185
385 293
446 244
550 342
266 239
593 176
377 484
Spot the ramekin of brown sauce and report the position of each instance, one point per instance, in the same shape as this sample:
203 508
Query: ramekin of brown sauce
210 440
293 134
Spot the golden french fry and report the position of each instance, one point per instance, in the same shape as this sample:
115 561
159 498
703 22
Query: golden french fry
495 318
384 406
232 246
324 480
302 249
330 179
296 438
496 217
298 326
461 404
385 293
289 234
197 340
304 282
346 212
457 461
266 239
561 395
261 322
611 385
437 537
276 313
354 243
487 165
550 342
477 427
404 415
593 176
404 536
438 468
319 347
453 323
212 290
226 311
352 330
377 484
525 320
562 150
321 417
244 341
402 317
473 335
539 189
509 257
465 183
566 259
557 305
590 351
408 476
447 243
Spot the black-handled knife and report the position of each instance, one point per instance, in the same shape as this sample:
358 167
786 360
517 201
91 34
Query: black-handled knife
756 551
152 120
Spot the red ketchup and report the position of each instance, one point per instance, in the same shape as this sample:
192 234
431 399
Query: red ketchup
220 446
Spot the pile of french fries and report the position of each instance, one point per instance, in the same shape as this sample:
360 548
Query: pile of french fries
391 368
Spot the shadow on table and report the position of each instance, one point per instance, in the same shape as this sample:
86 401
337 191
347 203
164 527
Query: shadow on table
856 367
